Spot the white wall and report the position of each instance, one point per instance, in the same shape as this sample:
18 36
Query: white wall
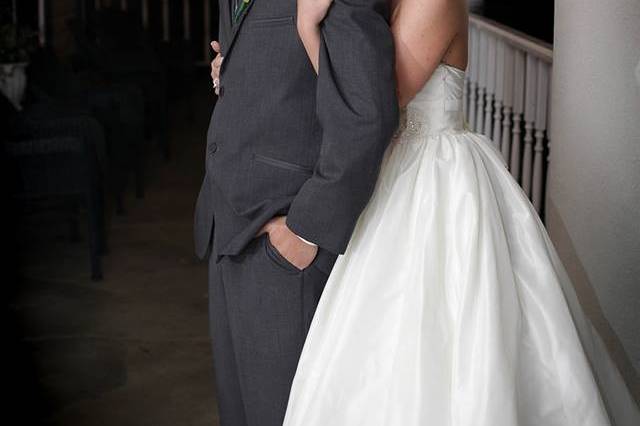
593 203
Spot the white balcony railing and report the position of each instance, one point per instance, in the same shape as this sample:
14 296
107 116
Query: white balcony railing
507 96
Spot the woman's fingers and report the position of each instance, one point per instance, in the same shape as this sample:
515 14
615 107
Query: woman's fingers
215 66
217 61
215 46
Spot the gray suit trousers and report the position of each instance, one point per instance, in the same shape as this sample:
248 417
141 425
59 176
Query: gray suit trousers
261 308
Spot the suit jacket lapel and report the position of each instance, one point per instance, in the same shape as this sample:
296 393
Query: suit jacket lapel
236 27
225 25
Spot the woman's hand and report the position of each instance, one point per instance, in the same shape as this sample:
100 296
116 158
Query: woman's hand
215 67
310 15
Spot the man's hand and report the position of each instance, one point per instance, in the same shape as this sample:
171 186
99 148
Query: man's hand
288 244
215 67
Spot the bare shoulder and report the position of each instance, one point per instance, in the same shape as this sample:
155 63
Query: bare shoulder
427 33
432 31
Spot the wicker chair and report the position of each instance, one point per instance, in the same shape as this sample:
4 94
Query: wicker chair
56 91
61 158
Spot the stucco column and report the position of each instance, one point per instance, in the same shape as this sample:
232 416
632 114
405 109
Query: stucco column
593 195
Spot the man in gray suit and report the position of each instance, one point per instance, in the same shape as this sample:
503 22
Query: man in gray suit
291 161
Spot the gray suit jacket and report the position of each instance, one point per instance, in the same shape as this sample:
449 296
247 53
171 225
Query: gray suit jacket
283 141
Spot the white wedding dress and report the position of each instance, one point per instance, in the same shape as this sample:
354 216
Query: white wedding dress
450 306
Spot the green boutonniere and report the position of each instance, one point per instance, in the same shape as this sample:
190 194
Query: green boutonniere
242 6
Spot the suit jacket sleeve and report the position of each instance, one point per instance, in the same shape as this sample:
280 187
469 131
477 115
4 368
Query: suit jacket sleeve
357 109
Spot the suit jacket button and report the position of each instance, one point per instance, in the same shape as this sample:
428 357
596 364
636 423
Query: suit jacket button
213 148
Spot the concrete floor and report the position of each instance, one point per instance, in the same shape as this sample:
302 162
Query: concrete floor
133 349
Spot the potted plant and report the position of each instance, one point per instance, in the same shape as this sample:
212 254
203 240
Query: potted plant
16 44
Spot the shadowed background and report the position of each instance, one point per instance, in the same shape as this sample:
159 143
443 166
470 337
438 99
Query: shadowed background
107 307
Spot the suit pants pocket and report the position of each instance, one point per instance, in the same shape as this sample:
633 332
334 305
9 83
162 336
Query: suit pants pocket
264 295
277 258
269 309
270 301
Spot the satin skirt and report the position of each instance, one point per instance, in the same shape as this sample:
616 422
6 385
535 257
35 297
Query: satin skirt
451 307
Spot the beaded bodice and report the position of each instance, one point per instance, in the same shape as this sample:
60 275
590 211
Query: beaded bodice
437 107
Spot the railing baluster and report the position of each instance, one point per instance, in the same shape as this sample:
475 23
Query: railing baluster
529 120
497 116
506 98
549 115
465 98
186 16
42 24
518 109
542 97
473 78
491 85
145 14
482 81
509 71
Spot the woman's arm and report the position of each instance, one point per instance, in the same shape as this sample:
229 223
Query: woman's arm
310 16
423 32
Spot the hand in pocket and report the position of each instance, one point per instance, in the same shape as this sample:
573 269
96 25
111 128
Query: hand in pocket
297 252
